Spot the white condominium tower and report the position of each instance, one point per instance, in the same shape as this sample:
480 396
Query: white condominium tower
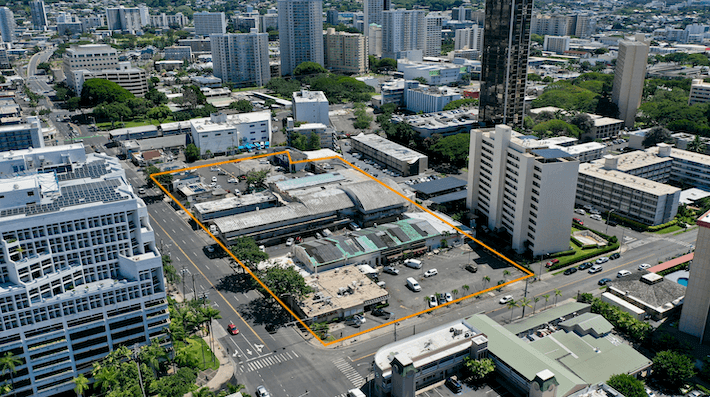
7 24
300 33
629 75
521 188
207 23
241 59
79 271
39 16
403 32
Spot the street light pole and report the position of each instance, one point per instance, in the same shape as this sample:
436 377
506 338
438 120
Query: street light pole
608 216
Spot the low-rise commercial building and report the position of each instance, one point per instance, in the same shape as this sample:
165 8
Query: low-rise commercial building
699 92
434 73
393 155
178 53
429 99
682 139
443 123
687 167
100 61
326 135
220 132
234 205
654 295
586 152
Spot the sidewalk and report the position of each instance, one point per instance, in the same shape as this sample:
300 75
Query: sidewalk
210 378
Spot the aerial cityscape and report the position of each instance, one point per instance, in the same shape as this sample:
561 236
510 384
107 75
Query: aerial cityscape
386 198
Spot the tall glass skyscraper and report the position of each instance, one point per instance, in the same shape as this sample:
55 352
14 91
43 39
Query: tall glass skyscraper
300 33
504 67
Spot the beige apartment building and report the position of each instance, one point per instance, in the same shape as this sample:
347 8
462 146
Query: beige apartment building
345 52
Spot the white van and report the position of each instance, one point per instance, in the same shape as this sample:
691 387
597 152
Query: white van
213 229
355 393
413 263
413 284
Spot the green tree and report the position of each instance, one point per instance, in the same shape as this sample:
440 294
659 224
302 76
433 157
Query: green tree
44 66
169 270
536 38
242 106
627 385
657 135
73 103
81 384
256 178
583 122
313 141
165 179
282 87
453 149
298 141
285 281
556 127
309 69
97 91
672 369
697 145
247 251
192 153
156 97
177 384
466 102
557 293
193 97
159 113
525 302
511 305
8 362
480 369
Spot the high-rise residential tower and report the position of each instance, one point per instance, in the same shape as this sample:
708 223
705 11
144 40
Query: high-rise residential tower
300 33
79 268
345 52
403 33
432 42
504 64
241 59
695 316
372 13
629 75
39 16
7 24
207 23
124 19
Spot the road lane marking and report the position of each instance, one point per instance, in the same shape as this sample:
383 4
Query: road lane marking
212 285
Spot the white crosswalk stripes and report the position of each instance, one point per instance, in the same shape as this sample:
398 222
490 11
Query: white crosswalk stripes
268 361
349 372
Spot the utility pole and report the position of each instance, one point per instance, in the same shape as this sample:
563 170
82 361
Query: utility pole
194 291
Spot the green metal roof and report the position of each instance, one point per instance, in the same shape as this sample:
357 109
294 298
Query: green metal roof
589 321
593 359
522 357
544 317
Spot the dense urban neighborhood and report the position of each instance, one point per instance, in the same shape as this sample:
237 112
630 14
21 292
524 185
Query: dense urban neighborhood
355 198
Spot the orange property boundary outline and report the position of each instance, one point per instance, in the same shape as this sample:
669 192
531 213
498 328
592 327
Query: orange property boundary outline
526 272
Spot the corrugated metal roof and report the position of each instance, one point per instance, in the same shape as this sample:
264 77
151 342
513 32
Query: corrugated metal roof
439 185
447 198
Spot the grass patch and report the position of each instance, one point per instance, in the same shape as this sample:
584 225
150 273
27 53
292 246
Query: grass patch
129 124
581 254
189 353
669 229
684 230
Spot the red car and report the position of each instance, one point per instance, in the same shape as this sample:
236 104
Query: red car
232 329
552 262
578 221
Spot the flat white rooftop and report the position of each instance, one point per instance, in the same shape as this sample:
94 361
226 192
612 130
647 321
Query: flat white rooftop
206 124
624 179
389 148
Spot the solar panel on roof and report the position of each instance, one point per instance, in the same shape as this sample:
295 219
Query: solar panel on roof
399 233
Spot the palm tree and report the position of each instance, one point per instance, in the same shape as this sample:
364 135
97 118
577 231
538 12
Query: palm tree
486 280
234 388
535 299
697 145
506 273
105 376
81 384
465 287
152 355
455 292
547 298
512 304
203 392
8 362
557 293
525 302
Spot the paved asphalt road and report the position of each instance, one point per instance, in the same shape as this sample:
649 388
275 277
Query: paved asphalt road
289 365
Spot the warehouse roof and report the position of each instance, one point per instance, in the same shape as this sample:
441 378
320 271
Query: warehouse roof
447 198
439 185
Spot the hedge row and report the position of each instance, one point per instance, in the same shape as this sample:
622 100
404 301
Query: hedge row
640 226
567 261
563 253
673 269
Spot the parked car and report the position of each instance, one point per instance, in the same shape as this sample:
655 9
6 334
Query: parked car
604 281
432 301
471 268
585 266
381 313
413 284
141 191
580 211
431 272
290 241
595 212
570 270
454 385
262 248
506 299
214 179
413 263
644 266
390 270
601 260
623 273
232 329
612 223
232 180
448 297
596 217
578 221
552 262
359 318
615 255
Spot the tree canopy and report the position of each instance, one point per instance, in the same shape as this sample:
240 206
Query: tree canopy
96 91
192 153
164 179
247 251
309 68
242 106
556 127
627 385
452 149
657 135
285 281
